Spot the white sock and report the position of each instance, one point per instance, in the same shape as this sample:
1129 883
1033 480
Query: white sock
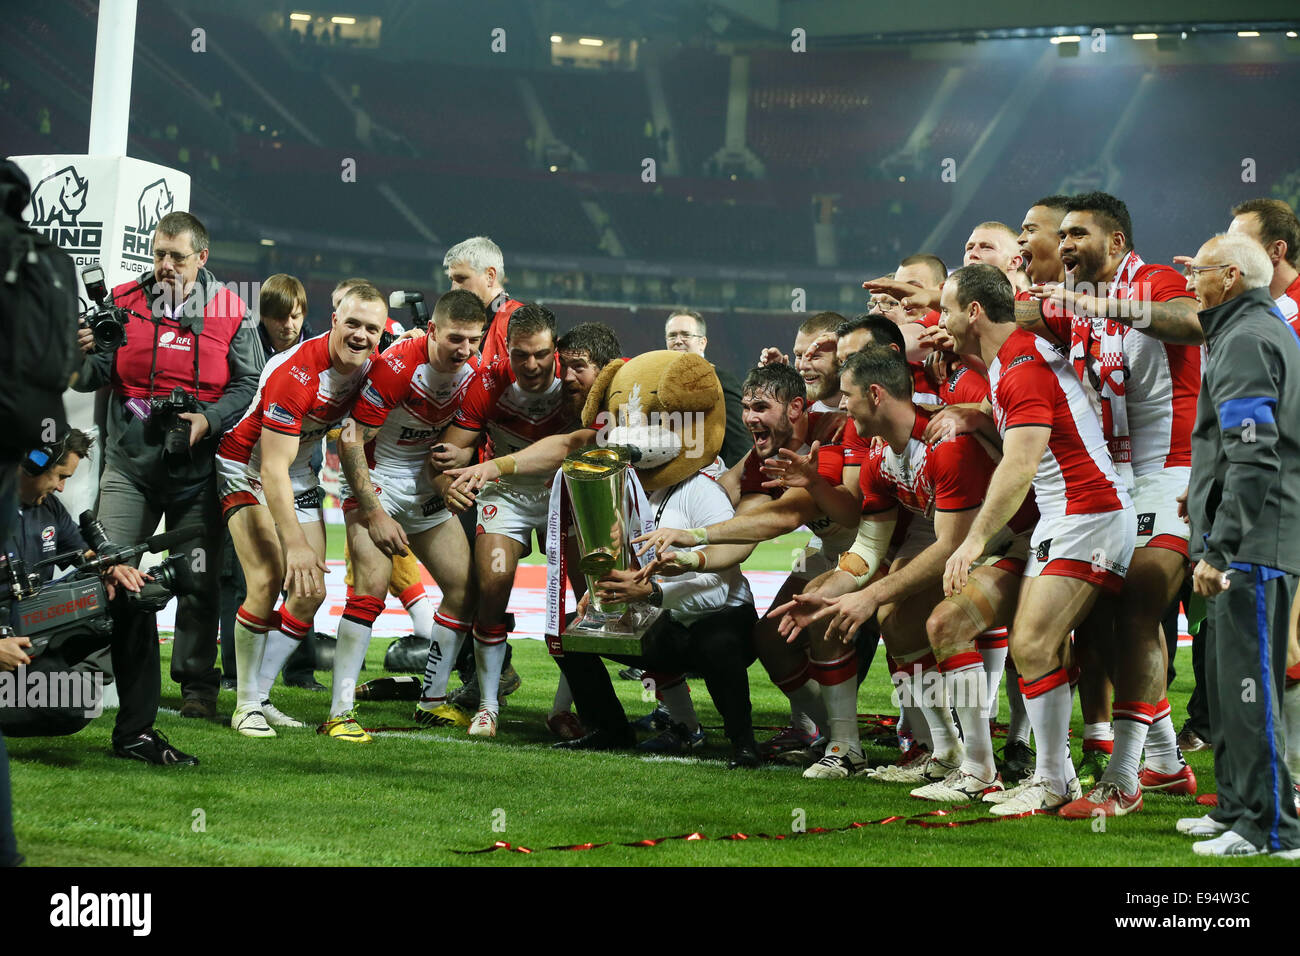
422 623
841 702
807 707
966 689
444 646
249 648
681 709
489 659
1162 753
995 661
1122 770
563 702
927 691
1291 712
913 722
1049 714
1102 730
279 647
349 656
1018 725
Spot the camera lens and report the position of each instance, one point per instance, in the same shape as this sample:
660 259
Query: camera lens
108 333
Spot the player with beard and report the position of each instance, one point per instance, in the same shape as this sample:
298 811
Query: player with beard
270 499
390 504
932 642
774 403
1052 442
1147 388
513 404
814 359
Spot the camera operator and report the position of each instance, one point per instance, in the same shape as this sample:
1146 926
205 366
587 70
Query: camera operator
44 528
186 372
38 308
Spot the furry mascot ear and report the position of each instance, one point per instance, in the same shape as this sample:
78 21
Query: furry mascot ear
689 384
599 389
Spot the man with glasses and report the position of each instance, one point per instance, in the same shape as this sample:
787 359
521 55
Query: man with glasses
184 331
685 332
1241 503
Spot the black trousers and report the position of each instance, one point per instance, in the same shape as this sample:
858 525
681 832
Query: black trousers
8 842
1245 668
137 670
720 646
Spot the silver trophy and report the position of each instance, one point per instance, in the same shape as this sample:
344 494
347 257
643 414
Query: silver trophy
596 480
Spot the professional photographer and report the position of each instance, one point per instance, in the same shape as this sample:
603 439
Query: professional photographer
185 372
38 308
45 530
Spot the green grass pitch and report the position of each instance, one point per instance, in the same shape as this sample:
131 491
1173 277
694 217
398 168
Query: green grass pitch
413 798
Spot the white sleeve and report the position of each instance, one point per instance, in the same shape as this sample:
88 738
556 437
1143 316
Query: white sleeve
695 504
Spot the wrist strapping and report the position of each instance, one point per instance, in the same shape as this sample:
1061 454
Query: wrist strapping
692 560
701 535
505 464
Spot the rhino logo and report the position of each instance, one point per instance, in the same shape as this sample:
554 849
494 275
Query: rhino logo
155 202
59 198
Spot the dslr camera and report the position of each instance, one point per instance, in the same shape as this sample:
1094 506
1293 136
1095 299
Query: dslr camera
165 419
106 321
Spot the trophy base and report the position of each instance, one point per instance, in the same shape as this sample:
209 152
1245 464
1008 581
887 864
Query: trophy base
598 633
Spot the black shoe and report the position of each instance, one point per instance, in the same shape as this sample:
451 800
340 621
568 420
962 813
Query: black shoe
745 757
466 696
1017 761
620 738
152 747
631 673
306 683
199 709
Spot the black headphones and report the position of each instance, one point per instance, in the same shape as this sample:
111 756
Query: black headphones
45 456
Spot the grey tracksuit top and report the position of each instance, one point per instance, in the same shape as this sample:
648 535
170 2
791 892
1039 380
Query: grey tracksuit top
1244 496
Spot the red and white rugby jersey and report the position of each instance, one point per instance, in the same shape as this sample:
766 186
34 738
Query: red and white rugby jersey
512 418
1289 304
412 401
965 386
1163 380
298 394
951 475
1032 384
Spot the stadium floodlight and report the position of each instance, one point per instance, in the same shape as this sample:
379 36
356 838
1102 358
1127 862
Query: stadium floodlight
590 41
1146 36
1069 39
300 16
345 21
267 242
556 38
1247 33
1292 34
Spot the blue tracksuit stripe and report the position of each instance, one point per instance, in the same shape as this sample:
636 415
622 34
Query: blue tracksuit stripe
1235 412
1265 693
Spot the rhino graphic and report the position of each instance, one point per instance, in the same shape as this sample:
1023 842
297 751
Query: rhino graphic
59 198
155 202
